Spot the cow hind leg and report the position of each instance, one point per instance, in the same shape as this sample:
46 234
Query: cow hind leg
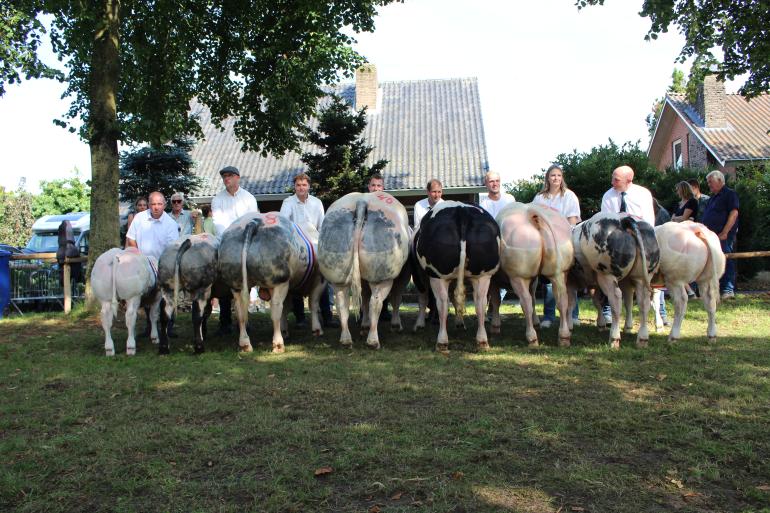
679 298
562 297
710 293
343 309
277 299
315 301
643 298
494 308
165 313
422 306
395 318
522 289
380 292
610 288
132 306
109 345
441 292
198 313
242 312
628 307
480 290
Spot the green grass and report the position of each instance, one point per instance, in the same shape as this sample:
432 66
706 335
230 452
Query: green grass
667 428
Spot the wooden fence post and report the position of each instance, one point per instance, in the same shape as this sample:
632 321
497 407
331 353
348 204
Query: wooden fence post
67 288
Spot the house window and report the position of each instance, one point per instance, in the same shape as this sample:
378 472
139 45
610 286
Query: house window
676 152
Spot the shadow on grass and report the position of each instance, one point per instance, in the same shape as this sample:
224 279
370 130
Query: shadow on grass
403 429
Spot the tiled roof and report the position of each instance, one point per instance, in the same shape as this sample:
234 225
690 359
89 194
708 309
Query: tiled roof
746 135
425 128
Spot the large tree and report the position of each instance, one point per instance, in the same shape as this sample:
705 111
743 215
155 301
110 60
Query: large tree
340 167
740 28
168 169
134 66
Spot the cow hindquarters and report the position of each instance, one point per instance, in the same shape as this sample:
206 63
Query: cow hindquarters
480 290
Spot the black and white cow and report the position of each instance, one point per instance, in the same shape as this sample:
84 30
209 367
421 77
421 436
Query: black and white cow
365 237
188 264
619 254
457 241
276 255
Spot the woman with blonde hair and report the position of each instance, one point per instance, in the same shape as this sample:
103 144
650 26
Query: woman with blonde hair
688 205
557 196
140 205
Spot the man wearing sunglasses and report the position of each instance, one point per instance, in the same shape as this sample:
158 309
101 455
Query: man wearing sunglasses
182 217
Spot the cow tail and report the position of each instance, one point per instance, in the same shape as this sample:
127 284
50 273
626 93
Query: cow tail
460 287
713 256
640 244
114 304
248 234
355 285
182 249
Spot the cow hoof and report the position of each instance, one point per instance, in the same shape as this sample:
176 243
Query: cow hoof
564 342
246 349
642 343
373 345
155 340
483 345
442 348
347 344
615 344
418 327
164 350
495 330
131 352
199 350
278 349
672 340
712 340
533 343
396 328
317 333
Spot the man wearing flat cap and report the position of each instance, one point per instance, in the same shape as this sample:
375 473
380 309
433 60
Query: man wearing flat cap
227 206
232 202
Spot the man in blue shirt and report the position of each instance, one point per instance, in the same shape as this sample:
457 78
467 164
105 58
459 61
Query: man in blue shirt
721 217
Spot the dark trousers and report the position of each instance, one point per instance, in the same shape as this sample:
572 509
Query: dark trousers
225 310
298 304
727 281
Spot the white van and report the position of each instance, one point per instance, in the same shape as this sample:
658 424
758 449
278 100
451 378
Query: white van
45 232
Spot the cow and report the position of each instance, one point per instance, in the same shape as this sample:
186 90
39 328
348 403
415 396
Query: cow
457 241
188 264
535 241
364 238
278 256
131 276
619 254
690 252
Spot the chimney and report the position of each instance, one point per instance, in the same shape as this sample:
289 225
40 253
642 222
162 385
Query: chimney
366 87
711 102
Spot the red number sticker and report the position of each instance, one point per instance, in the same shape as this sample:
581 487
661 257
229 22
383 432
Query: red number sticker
270 218
387 199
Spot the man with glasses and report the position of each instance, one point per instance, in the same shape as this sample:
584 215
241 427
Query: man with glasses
184 218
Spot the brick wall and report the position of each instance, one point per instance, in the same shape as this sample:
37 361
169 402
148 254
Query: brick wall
711 102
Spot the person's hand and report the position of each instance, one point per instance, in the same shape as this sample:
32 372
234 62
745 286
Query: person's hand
722 236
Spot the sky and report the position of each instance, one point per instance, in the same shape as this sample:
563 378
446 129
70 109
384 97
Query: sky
551 79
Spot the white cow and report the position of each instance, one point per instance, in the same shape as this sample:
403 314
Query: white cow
131 276
535 241
690 252
365 237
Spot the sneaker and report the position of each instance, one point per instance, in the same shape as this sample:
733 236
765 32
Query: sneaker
727 295
545 323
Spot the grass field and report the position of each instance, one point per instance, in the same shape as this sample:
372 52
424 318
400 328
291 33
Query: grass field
319 428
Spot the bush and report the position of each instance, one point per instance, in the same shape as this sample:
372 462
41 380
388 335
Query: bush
753 188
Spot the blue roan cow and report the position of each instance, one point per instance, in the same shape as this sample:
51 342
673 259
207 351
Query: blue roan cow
619 254
457 241
189 264
364 237
270 252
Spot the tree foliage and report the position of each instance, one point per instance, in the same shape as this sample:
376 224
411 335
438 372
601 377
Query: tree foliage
739 28
16 217
679 86
340 167
167 169
62 196
133 68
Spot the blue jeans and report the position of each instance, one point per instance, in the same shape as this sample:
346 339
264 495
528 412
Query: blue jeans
727 281
549 305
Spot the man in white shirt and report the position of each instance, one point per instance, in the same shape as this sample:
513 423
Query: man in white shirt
183 218
306 210
495 200
227 206
376 183
152 230
435 190
626 196
232 202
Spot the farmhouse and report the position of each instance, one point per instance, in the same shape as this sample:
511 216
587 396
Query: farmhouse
424 128
720 131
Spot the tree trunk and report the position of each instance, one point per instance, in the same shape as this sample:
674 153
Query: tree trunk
103 135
